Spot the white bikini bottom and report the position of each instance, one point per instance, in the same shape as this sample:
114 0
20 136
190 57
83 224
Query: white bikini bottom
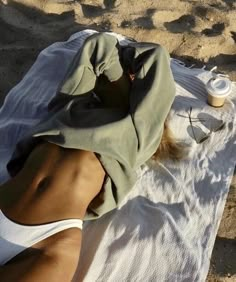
15 238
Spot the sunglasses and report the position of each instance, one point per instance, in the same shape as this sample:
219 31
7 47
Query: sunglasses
205 137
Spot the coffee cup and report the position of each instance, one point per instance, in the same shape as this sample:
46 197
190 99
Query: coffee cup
218 88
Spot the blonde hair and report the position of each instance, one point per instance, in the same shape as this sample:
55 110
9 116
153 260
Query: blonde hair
169 147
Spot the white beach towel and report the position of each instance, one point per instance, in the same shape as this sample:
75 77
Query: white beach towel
165 228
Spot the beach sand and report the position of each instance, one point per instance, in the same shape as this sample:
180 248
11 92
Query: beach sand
197 32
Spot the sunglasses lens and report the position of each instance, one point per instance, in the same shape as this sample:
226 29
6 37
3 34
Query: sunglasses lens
222 126
191 120
203 139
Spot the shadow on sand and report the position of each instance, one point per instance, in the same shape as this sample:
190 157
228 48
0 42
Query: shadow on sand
28 30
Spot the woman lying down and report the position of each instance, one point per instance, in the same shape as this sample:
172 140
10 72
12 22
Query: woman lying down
107 119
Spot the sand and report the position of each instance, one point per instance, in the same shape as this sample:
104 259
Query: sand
198 32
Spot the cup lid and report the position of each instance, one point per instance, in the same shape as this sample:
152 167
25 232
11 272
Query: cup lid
218 86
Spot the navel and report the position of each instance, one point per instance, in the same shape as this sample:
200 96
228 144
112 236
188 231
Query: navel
43 184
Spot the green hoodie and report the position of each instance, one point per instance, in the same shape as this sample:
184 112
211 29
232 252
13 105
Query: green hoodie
123 137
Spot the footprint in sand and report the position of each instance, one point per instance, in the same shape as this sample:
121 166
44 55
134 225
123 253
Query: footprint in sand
182 24
215 30
142 22
233 33
109 4
145 21
91 11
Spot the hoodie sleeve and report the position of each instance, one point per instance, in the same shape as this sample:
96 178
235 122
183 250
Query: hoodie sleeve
99 55
151 97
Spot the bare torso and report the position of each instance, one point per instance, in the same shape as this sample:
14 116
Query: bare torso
54 184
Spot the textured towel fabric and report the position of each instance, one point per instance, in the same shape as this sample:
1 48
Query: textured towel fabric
164 230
